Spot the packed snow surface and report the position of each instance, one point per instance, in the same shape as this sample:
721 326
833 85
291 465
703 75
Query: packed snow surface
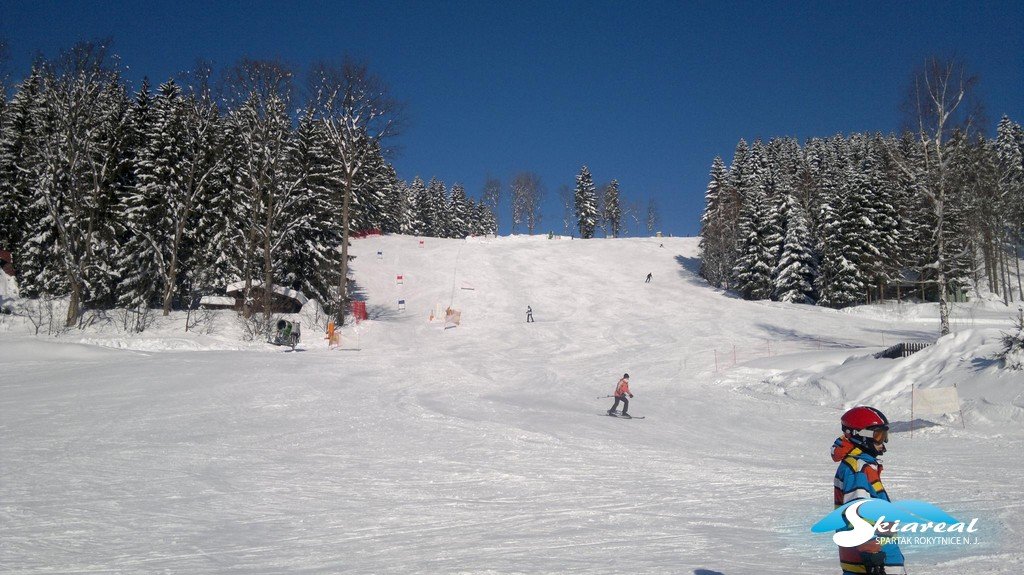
421 447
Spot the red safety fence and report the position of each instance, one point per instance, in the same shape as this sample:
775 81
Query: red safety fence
359 310
367 232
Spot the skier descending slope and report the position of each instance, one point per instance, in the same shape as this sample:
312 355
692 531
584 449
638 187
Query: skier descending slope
865 433
621 391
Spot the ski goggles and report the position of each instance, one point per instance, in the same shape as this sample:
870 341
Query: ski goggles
878 435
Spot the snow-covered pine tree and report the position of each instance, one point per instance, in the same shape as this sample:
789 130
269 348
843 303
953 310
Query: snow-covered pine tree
858 220
459 213
221 222
755 257
145 210
370 189
807 184
310 244
797 269
392 202
612 210
482 218
175 173
976 171
716 245
10 230
838 282
883 176
913 214
958 261
783 164
437 209
472 219
19 169
419 208
404 209
263 131
110 172
1012 354
80 142
488 220
1010 155
585 200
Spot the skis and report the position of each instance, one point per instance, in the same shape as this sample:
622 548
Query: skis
616 415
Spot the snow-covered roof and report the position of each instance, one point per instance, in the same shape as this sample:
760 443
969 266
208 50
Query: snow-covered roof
216 300
281 290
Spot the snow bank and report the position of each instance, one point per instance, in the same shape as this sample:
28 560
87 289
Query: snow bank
8 287
988 393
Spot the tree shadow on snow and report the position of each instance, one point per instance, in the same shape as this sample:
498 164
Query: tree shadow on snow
691 272
775 332
375 312
706 572
356 291
983 363
915 425
382 313
905 335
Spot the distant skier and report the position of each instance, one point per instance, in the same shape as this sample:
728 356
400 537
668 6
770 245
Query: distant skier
865 433
529 315
648 278
621 391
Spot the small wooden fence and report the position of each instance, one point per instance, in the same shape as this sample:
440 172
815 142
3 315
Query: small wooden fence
901 350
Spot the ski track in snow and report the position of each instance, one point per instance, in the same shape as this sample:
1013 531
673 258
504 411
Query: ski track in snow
475 449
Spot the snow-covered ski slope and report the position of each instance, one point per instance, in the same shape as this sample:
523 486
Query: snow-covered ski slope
479 448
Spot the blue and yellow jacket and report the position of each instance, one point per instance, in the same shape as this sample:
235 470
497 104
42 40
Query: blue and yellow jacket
859 476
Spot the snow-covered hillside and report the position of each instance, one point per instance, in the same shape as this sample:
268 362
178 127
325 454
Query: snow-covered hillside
482 448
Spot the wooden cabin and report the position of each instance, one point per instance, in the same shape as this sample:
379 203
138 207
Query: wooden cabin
282 299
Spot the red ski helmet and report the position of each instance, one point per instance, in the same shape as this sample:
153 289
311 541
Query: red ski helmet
864 417
866 425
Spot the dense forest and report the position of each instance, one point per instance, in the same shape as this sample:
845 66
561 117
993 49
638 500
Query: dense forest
154 197
854 219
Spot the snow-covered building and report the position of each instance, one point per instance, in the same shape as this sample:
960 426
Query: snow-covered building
282 299
217 302
7 262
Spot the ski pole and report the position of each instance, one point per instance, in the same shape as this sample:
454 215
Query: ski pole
605 396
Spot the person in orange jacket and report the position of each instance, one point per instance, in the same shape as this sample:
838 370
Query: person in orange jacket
621 391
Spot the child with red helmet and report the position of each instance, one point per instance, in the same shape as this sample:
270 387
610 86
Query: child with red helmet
859 476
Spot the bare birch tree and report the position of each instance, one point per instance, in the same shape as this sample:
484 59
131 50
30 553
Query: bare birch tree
492 196
527 193
937 103
567 198
653 217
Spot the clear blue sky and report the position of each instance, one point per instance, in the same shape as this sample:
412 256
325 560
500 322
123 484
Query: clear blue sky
644 92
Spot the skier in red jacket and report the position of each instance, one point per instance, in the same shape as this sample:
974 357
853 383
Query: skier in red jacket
621 391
